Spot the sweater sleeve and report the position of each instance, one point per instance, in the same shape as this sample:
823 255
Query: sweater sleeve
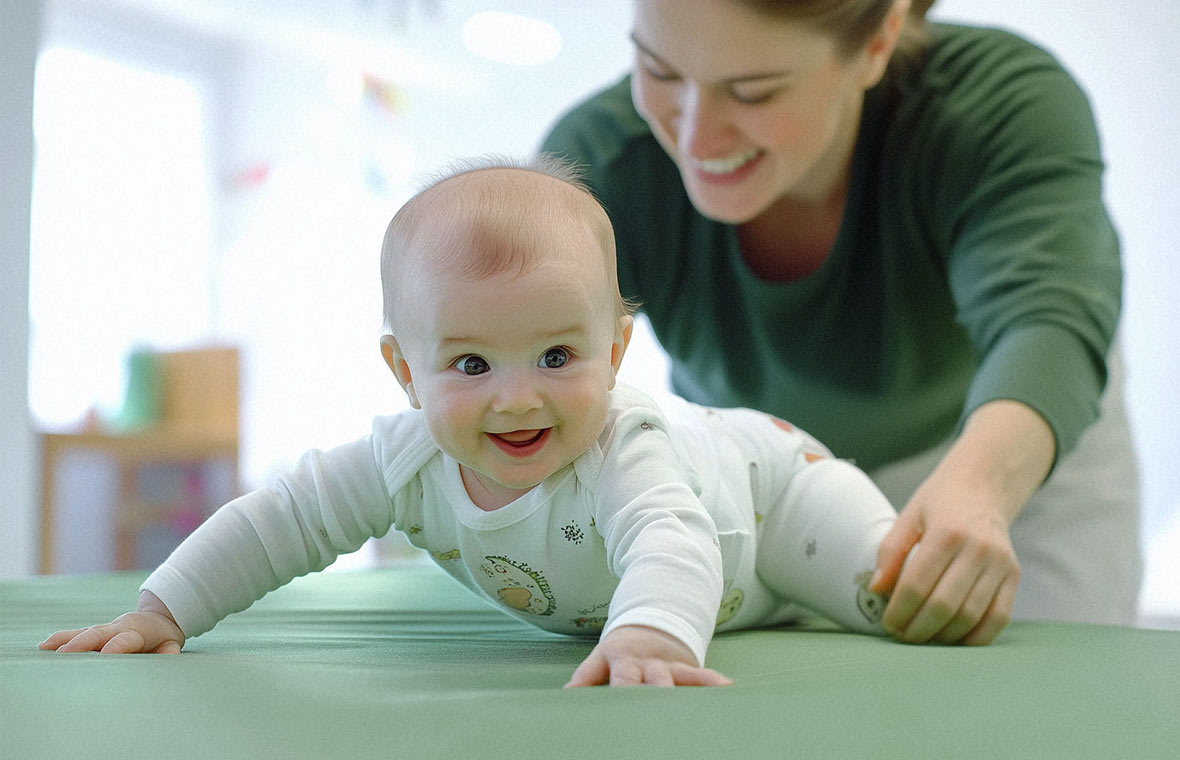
1034 260
330 504
660 540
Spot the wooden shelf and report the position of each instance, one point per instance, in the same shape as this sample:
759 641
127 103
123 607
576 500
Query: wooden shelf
156 444
129 455
196 424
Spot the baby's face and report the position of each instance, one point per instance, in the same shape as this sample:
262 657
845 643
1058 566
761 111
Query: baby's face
513 370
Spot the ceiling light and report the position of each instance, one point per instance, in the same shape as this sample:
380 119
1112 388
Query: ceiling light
509 38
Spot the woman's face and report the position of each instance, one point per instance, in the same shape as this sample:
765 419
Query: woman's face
750 108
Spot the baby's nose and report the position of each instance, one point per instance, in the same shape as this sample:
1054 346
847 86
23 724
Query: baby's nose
516 395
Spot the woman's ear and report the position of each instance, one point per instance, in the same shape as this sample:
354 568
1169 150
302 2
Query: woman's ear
392 354
879 49
618 347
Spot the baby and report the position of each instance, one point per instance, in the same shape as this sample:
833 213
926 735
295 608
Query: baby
577 505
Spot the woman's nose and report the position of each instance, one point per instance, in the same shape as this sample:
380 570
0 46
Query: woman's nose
703 127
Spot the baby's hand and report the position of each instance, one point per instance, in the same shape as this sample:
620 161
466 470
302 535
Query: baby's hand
633 654
148 630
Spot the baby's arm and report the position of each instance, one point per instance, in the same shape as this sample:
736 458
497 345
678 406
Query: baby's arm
661 543
331 503
635 654
150 629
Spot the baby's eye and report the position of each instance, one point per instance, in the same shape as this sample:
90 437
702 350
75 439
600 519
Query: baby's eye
471 364
554 358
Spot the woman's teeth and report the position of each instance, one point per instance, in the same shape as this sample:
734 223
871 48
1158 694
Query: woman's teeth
727 164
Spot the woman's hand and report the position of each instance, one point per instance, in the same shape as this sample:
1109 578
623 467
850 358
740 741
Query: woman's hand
950 565
631 655
948 562
149 630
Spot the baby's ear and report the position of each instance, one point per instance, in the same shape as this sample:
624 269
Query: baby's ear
623 329
392 353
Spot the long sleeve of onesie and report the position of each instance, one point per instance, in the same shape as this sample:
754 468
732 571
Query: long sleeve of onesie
329 505
660 540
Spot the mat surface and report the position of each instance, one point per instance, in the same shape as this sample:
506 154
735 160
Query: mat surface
405 663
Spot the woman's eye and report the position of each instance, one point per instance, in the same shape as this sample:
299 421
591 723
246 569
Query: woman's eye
472 365
752 98
554 358
660 76
657 72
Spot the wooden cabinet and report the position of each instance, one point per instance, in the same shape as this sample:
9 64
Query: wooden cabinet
167 476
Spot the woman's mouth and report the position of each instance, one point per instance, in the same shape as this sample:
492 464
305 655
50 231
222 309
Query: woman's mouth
521 443
726 169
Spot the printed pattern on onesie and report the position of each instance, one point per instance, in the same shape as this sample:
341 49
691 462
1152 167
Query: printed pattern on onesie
539 558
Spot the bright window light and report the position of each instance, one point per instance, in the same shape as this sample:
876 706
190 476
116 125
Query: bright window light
510 38
121 237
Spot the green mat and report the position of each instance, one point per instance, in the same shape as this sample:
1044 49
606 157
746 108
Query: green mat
405 663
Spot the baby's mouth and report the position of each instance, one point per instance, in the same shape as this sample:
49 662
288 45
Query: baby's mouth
520 437
520 442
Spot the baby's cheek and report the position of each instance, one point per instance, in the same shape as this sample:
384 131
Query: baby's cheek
452 424
589 408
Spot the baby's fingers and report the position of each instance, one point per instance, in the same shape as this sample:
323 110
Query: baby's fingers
593 671
57 639
91 639
663 673
133 642
124 642
168 647
686 675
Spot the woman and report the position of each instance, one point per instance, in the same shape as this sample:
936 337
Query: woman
892 234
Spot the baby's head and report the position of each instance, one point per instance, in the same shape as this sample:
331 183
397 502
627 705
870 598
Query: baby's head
492 215
503 319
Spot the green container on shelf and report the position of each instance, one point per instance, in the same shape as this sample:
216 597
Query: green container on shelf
141 398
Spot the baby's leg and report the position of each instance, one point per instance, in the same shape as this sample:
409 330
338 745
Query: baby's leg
818 546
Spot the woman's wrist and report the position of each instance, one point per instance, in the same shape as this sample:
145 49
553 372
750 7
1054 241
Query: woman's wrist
1006 449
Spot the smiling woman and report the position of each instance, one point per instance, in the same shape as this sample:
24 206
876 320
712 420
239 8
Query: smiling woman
867 238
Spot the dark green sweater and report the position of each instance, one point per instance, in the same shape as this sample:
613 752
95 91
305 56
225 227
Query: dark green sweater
976 260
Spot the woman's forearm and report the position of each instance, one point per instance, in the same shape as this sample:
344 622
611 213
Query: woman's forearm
1007 449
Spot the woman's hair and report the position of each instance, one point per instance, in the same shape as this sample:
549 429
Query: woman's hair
852 22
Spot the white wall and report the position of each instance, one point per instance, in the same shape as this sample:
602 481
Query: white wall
19 34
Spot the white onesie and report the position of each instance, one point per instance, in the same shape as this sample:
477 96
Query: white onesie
679 517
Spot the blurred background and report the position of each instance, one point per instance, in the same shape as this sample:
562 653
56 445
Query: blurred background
216 175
